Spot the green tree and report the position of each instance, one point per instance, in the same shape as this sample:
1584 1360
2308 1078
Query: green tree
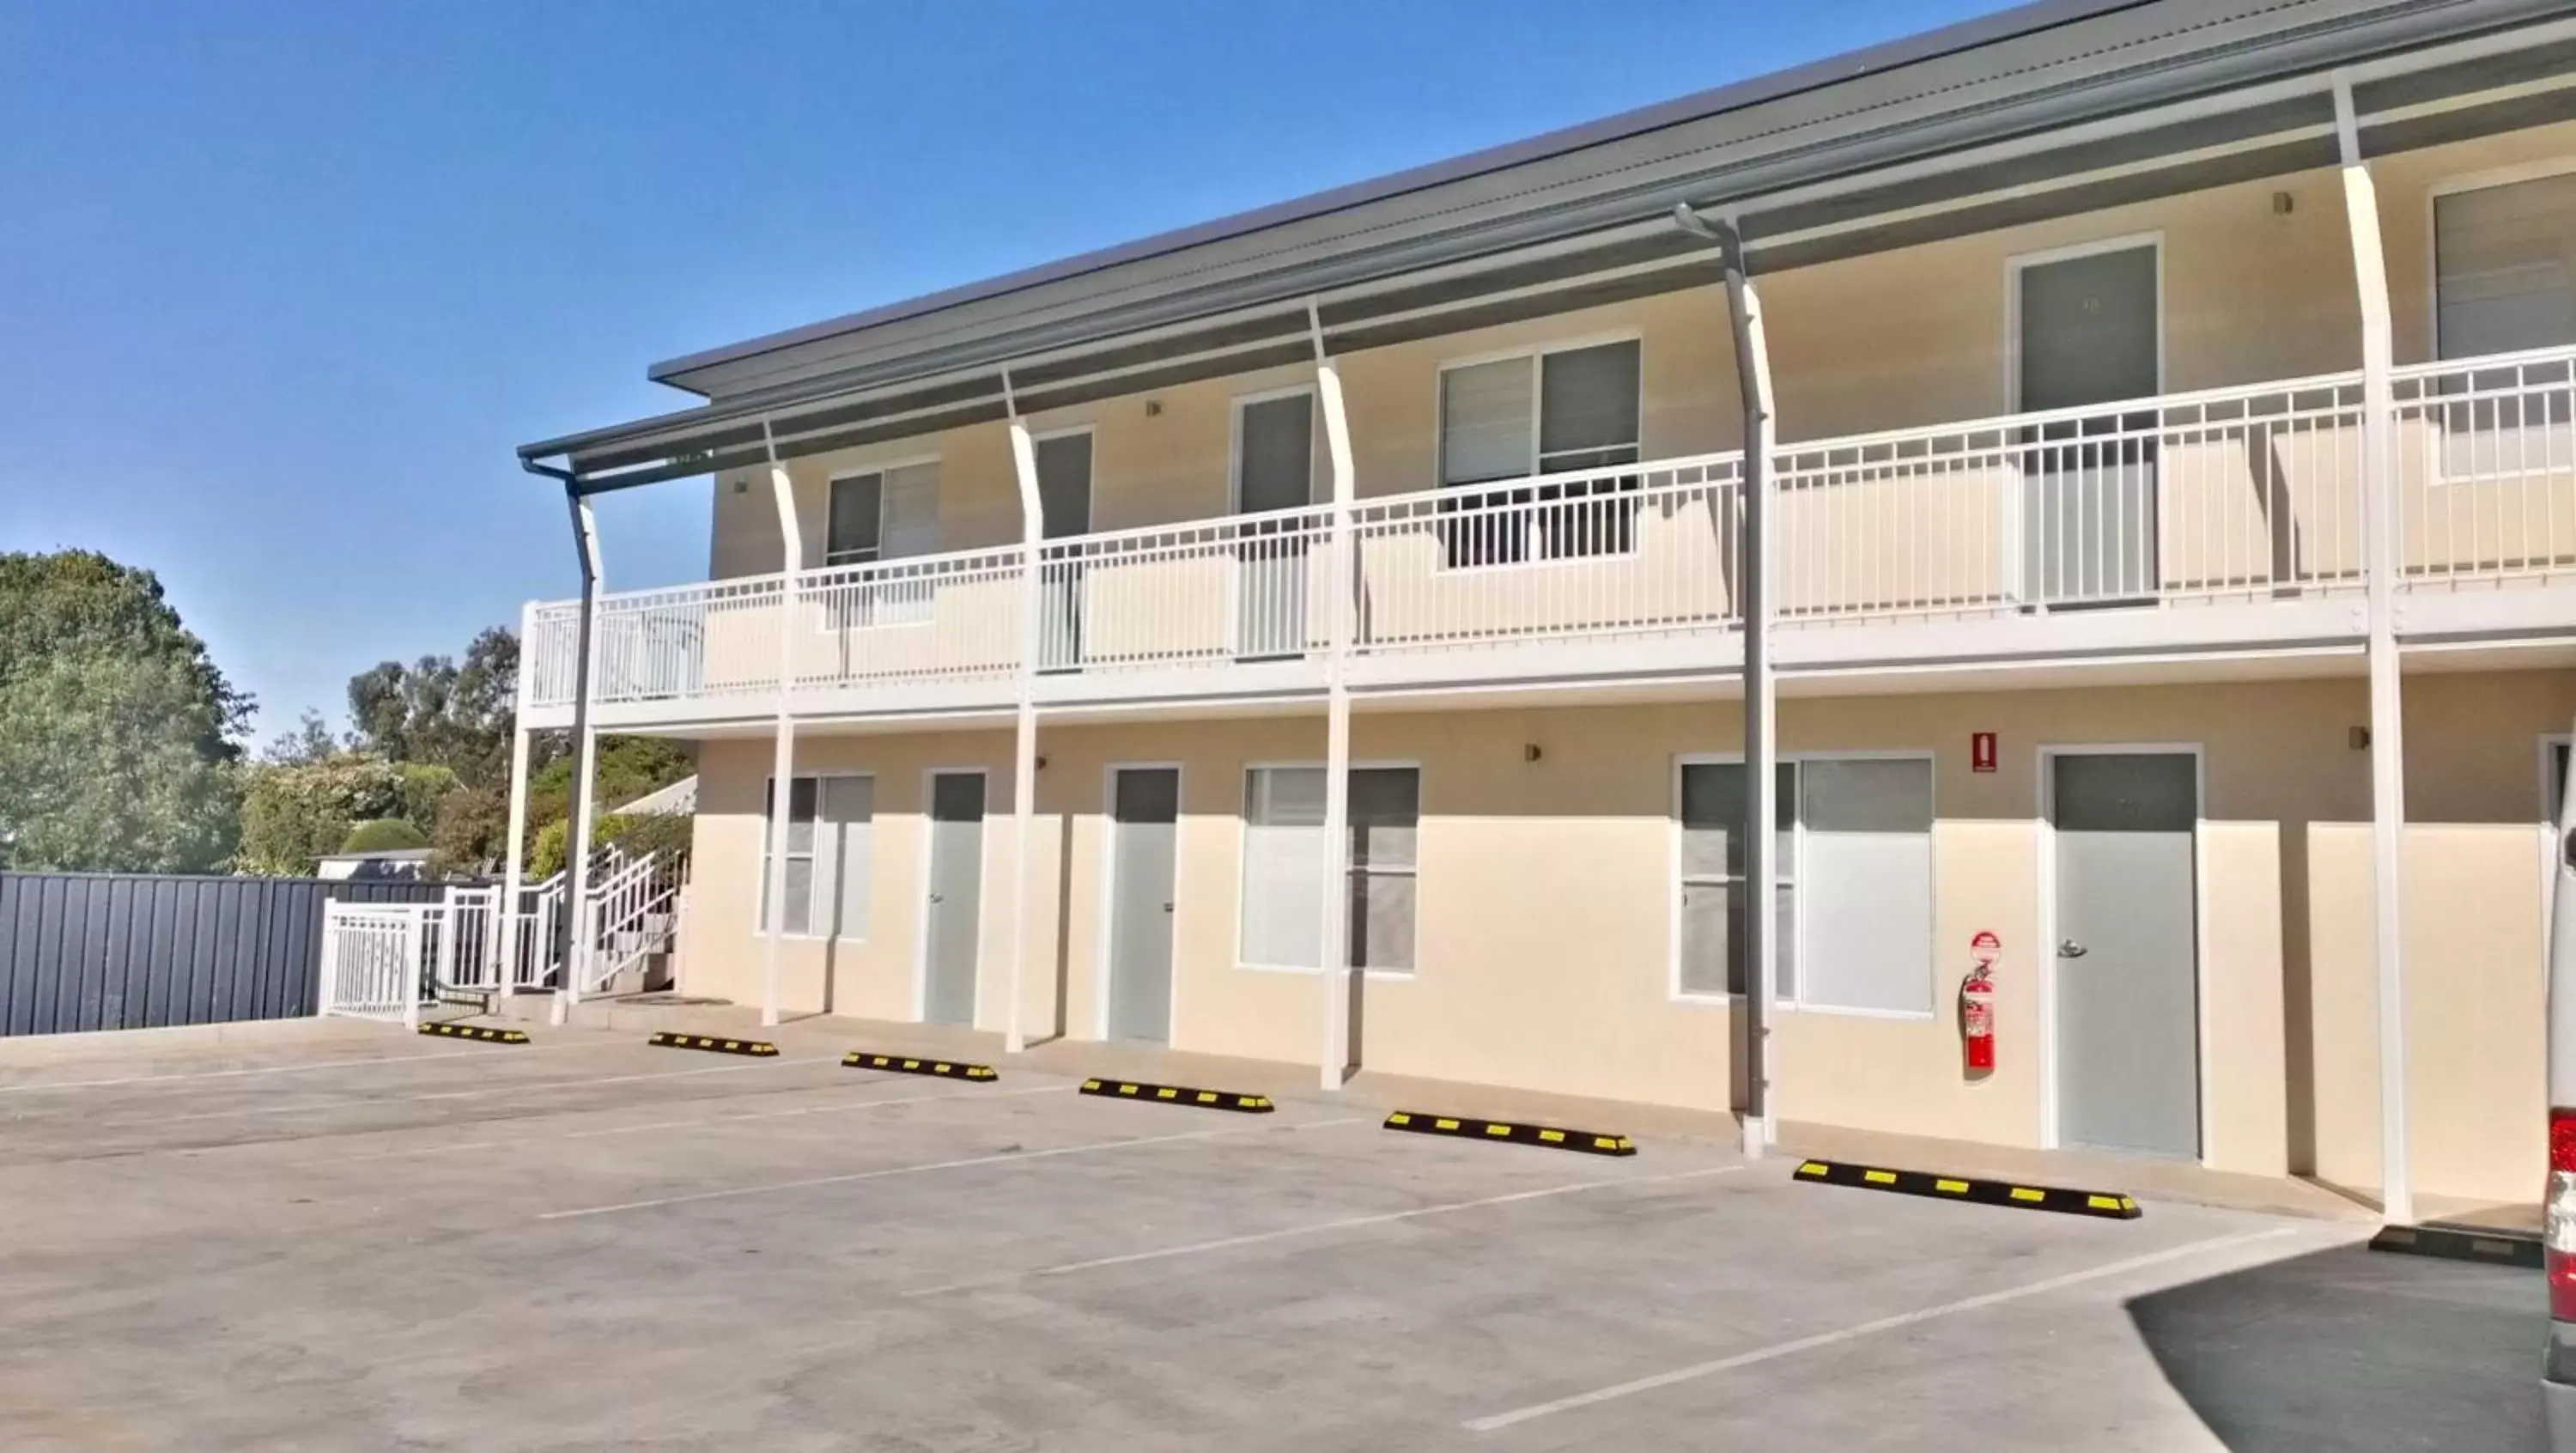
308 743
292 815
472 832
383 834
119 739
438 711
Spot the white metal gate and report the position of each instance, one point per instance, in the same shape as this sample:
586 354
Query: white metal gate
375 958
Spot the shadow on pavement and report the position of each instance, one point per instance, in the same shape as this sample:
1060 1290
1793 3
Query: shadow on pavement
2355 1349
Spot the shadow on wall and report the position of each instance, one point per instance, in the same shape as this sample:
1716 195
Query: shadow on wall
2351 1349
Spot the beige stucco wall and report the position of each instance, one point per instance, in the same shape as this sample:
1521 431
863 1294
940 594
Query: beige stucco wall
1544 935
1902 339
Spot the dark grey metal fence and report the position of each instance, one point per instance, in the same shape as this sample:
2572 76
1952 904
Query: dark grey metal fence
137 951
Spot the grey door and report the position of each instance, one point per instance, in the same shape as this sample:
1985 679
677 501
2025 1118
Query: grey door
2089 336
1274 470
1064 494
2128 1012
950 945
1144 825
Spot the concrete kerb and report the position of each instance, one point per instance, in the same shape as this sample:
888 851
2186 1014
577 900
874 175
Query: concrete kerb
2109 1205
2457 1243
480 1033
1188 1095
715 1044
860 1059
1511 1132
1381 1092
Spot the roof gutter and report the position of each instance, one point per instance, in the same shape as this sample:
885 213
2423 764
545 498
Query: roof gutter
1839 164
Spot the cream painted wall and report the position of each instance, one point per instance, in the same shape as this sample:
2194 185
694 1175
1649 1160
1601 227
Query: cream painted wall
1544 940
1897 340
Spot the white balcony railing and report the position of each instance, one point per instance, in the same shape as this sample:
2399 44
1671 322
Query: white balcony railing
2246 494
1211 592
2485 470
1624 550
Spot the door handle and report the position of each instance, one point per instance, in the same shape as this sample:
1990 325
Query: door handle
2068 948
1167 908
938 898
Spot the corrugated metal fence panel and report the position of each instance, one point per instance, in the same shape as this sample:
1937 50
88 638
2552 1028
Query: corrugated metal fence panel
85 951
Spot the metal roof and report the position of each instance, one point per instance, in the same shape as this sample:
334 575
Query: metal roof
2036 111
1982 30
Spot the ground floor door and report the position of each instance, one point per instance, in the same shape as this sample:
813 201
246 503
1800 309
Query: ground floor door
2128 1010
951 937
1144 824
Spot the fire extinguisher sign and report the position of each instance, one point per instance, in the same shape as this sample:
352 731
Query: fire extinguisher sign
1984 949
1981 753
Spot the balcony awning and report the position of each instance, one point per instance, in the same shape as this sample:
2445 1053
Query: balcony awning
2046 110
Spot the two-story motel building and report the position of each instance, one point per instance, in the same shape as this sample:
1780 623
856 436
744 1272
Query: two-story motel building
1320 635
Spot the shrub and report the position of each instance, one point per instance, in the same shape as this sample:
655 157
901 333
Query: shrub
384 834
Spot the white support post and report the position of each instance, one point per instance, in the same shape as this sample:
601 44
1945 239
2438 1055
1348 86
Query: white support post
1761 1123
575 957
515 859
1024 741
782 772
2387 704
1334 974
408 982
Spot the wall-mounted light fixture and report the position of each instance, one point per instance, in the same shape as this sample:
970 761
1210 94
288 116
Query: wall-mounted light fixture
1530 752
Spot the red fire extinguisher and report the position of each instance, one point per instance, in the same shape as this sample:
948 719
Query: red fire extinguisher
1977 1018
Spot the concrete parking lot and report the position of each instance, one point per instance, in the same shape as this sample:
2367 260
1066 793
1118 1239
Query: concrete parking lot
347 1237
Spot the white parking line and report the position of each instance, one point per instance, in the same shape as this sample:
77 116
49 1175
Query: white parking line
515 1087
834 1108
515 1052
1346 1223
997 1158
1492 1422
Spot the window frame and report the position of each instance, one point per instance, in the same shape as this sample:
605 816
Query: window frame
1243 824
1316 467
880 468
760 897
2486 179
1793 875
1539 476
2439 472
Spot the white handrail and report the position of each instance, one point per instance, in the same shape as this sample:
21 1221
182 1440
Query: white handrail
2244 493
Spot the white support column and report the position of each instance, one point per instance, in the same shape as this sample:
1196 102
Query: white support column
1024 741
1334 974
515 858
1761 1123
2387 706
782 772
575 958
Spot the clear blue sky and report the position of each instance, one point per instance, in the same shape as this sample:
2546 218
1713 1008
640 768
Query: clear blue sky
283 283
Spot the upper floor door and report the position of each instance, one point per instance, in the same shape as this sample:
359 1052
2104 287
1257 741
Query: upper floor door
2089 331
1274 471
1064 496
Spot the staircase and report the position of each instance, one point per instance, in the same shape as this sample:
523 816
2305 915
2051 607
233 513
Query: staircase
628 925
623 937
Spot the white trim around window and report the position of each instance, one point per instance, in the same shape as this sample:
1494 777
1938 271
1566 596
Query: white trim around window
1243 827
1534 352
885 500
1792 876
839 857
2451 185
